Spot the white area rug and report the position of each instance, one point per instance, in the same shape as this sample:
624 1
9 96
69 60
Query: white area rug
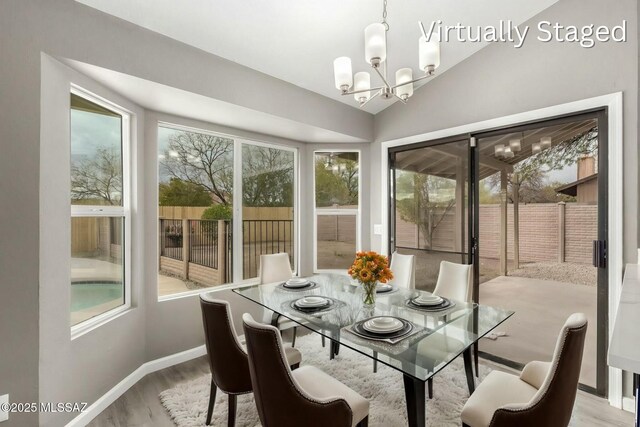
187 402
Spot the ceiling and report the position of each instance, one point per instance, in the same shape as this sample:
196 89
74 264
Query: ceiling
297 40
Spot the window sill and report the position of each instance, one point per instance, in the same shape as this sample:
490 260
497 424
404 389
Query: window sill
189 294
89 325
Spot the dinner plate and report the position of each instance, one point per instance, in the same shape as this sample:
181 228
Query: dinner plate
296 283
383 288
312 302
427 300
383 325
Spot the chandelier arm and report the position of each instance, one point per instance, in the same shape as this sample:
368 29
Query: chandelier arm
367 101
384 79
353 92
414 80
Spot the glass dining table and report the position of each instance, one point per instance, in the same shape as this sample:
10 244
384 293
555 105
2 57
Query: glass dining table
437 337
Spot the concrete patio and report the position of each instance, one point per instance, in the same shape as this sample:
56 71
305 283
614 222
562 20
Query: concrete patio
541 308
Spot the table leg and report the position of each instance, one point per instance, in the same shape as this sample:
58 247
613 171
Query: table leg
414 395
468 369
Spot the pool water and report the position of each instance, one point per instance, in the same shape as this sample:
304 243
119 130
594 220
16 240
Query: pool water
87 295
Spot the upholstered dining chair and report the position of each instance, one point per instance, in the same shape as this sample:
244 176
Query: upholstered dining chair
277 268
227 357
404 270
454 281
306 396
543 394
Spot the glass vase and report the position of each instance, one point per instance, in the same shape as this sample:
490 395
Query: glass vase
369 294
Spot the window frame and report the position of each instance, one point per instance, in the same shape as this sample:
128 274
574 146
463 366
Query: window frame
123 211
336 212
237 224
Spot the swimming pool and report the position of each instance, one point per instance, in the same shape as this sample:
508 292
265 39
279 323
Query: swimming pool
86 295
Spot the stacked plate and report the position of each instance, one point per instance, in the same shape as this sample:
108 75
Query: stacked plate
383 325
296 283
427 300
312 303
382 288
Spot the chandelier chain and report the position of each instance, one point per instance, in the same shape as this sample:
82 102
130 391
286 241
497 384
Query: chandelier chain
384 15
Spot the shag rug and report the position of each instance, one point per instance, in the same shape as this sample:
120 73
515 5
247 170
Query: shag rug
187 402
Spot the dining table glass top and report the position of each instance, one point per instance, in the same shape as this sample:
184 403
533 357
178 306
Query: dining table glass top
436 339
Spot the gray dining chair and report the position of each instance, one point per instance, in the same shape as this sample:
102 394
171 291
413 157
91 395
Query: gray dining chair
304 397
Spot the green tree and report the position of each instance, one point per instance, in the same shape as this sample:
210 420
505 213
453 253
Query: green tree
267 177
180 193
336 182
219 211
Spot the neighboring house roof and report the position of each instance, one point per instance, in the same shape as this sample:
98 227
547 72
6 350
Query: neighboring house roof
572 189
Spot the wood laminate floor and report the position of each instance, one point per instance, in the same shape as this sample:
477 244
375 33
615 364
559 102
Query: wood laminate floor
140 405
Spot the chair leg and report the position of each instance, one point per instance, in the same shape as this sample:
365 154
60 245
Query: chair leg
232 410
295 366
375 362
364 422
323 341
212 401
295 332
430 387
475 359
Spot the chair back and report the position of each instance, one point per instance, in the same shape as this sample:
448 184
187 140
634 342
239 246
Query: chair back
403 268
227 359
274 268
454 281
552 405
279 399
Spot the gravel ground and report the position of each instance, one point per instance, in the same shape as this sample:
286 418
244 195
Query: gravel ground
580 274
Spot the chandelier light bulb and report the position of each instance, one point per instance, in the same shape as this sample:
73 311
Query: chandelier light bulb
375 44
507 152
429 54
404 75
362 81
343 73
514 144
536 148
498 150
545 142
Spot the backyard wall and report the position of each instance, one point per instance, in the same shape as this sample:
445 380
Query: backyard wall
540 234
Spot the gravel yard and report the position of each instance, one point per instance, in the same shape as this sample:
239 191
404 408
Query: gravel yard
580 274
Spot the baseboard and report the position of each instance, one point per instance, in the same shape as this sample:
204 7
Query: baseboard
629 404
119 389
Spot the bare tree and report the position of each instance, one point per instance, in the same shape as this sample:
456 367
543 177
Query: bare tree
204 160
267 177
98 177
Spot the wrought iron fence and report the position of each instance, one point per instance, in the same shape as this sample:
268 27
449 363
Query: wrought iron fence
264 237
203 242
171 238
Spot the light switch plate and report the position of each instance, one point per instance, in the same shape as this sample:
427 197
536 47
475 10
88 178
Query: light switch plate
4 415
377 229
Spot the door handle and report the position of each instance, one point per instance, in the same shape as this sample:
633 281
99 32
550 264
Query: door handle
600 253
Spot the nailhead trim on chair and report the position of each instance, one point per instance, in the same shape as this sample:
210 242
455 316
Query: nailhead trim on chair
292 382
531 406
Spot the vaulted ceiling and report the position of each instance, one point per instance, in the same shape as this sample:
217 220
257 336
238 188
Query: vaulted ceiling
297 40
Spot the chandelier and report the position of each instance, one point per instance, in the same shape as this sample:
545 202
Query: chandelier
375 52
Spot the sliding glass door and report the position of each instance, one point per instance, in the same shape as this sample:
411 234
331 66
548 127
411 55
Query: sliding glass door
429 190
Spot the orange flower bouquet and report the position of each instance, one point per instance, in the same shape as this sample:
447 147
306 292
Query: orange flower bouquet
369 268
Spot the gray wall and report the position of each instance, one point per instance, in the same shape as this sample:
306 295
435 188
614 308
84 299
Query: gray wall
500 80
81 370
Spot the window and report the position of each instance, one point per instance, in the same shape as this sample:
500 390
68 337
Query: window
268 192
337 219
217 193
100 215
195 197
